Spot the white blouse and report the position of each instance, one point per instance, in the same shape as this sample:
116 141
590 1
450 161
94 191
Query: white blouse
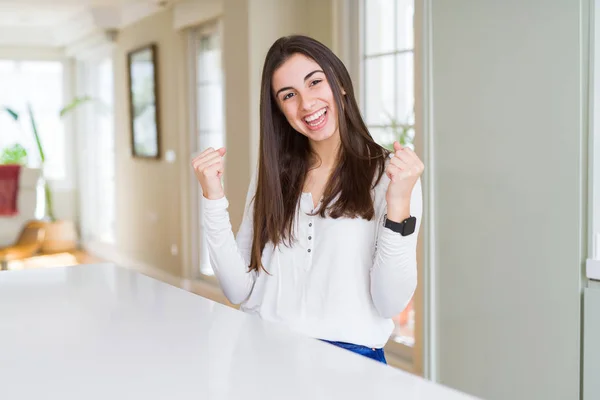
342 279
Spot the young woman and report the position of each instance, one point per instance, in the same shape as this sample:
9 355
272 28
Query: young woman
327 244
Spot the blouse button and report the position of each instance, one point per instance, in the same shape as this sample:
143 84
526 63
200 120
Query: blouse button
309 250
310 237
310 224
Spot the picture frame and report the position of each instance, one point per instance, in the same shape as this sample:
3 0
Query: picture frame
144 110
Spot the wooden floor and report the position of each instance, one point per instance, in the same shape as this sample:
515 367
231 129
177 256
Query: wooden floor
85 258
54 260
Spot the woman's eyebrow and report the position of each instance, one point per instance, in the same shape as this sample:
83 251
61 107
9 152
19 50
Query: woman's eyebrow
305 78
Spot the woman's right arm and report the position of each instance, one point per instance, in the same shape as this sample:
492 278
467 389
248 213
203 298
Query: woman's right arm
230 257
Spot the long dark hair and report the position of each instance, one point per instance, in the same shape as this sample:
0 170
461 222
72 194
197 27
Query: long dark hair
285 155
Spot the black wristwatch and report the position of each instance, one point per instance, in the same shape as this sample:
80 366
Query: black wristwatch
405 228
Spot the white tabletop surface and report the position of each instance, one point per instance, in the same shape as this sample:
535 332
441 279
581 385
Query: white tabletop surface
104 332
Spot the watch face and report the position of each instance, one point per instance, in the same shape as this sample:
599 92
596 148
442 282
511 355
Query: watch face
404 228
409 226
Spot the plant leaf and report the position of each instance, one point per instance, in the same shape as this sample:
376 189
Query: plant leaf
12 113
74 104
35 133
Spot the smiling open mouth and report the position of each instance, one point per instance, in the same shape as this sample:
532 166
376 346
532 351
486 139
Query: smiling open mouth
317 119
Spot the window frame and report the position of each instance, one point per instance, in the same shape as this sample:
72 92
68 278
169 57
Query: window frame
194 273
87 75
408 358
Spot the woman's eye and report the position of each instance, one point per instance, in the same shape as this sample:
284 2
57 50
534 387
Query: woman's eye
287 96
315 82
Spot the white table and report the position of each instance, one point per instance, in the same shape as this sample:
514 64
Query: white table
104 332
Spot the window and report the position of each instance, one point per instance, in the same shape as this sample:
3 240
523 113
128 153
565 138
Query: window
387 95
209 115
39 83
97 141
388 70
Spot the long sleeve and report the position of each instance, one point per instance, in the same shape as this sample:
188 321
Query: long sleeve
394 271
230 257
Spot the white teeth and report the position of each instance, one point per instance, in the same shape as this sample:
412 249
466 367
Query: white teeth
315 116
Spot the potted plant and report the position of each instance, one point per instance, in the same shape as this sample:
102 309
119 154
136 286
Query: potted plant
402 132
61 235
15 154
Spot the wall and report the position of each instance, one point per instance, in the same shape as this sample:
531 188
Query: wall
148 191
509 192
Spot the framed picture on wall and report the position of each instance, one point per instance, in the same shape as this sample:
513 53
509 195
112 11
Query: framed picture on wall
143 102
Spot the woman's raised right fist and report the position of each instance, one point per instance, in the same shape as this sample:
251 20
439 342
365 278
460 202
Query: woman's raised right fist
208 167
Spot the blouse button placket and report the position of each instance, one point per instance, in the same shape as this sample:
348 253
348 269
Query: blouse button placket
310 233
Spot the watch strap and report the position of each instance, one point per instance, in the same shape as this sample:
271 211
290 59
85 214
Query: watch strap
404 228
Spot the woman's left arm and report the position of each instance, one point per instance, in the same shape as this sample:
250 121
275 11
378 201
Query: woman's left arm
394 271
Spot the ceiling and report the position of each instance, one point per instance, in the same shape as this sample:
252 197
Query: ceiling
56 22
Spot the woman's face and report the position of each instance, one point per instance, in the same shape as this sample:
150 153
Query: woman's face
305 98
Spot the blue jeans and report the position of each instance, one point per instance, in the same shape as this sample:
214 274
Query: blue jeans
375 354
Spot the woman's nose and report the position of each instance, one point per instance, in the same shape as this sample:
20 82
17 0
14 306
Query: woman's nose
308 103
